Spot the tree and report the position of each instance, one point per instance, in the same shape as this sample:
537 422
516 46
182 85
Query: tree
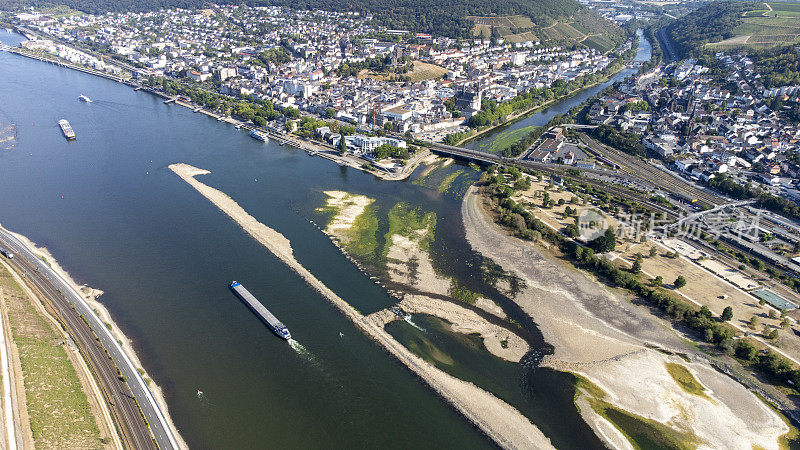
637 264
653 251
704 311
773 334
342 145
523 184
762 302
727 314
708 334
679 282
772 314
657 281
753 322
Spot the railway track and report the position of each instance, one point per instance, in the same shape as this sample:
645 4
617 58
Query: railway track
619 191
127 416
650 175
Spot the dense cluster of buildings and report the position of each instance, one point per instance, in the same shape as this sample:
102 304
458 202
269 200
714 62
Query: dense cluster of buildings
709 125
318 61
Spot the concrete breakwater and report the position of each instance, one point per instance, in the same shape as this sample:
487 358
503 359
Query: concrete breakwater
498 420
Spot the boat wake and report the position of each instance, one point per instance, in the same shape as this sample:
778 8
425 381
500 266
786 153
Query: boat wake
411 322
305 353
204 400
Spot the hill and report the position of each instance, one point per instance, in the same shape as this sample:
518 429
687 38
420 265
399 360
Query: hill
727 24
452 18
582 26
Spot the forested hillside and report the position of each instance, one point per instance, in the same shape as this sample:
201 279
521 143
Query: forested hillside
440 17
713 22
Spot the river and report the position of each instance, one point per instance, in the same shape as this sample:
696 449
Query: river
541 117
117 219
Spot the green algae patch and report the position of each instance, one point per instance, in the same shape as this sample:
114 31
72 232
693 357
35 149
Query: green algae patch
462 294
428 351
413 223
447 183
363 240
643 433
588 388
686 380
353 220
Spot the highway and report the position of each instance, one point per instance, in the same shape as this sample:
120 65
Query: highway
104 354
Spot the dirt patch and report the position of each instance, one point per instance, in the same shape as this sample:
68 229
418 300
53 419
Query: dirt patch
410 265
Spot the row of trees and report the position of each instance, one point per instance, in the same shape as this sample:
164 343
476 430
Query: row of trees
713 329
763 199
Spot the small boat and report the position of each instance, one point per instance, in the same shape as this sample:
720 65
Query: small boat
260 135
84 99
66 128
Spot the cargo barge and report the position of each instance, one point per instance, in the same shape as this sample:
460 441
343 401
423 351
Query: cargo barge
258 309
66 128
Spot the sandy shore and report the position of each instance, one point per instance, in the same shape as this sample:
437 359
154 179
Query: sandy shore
501 422
91 295
599 334
348 207
462 320
409 264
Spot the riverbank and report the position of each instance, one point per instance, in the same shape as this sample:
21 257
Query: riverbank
513 118
498 420
598 334
90 295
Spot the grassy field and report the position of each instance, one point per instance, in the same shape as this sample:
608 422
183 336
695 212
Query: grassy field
59 411
424 71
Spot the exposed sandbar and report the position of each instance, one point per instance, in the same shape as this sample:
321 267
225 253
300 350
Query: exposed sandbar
599 334
501 422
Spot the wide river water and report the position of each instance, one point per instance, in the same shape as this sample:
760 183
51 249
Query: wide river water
111 212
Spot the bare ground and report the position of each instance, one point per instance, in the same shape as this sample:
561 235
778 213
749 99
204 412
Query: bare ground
597 333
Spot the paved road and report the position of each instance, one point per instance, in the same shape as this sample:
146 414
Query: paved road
75 313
